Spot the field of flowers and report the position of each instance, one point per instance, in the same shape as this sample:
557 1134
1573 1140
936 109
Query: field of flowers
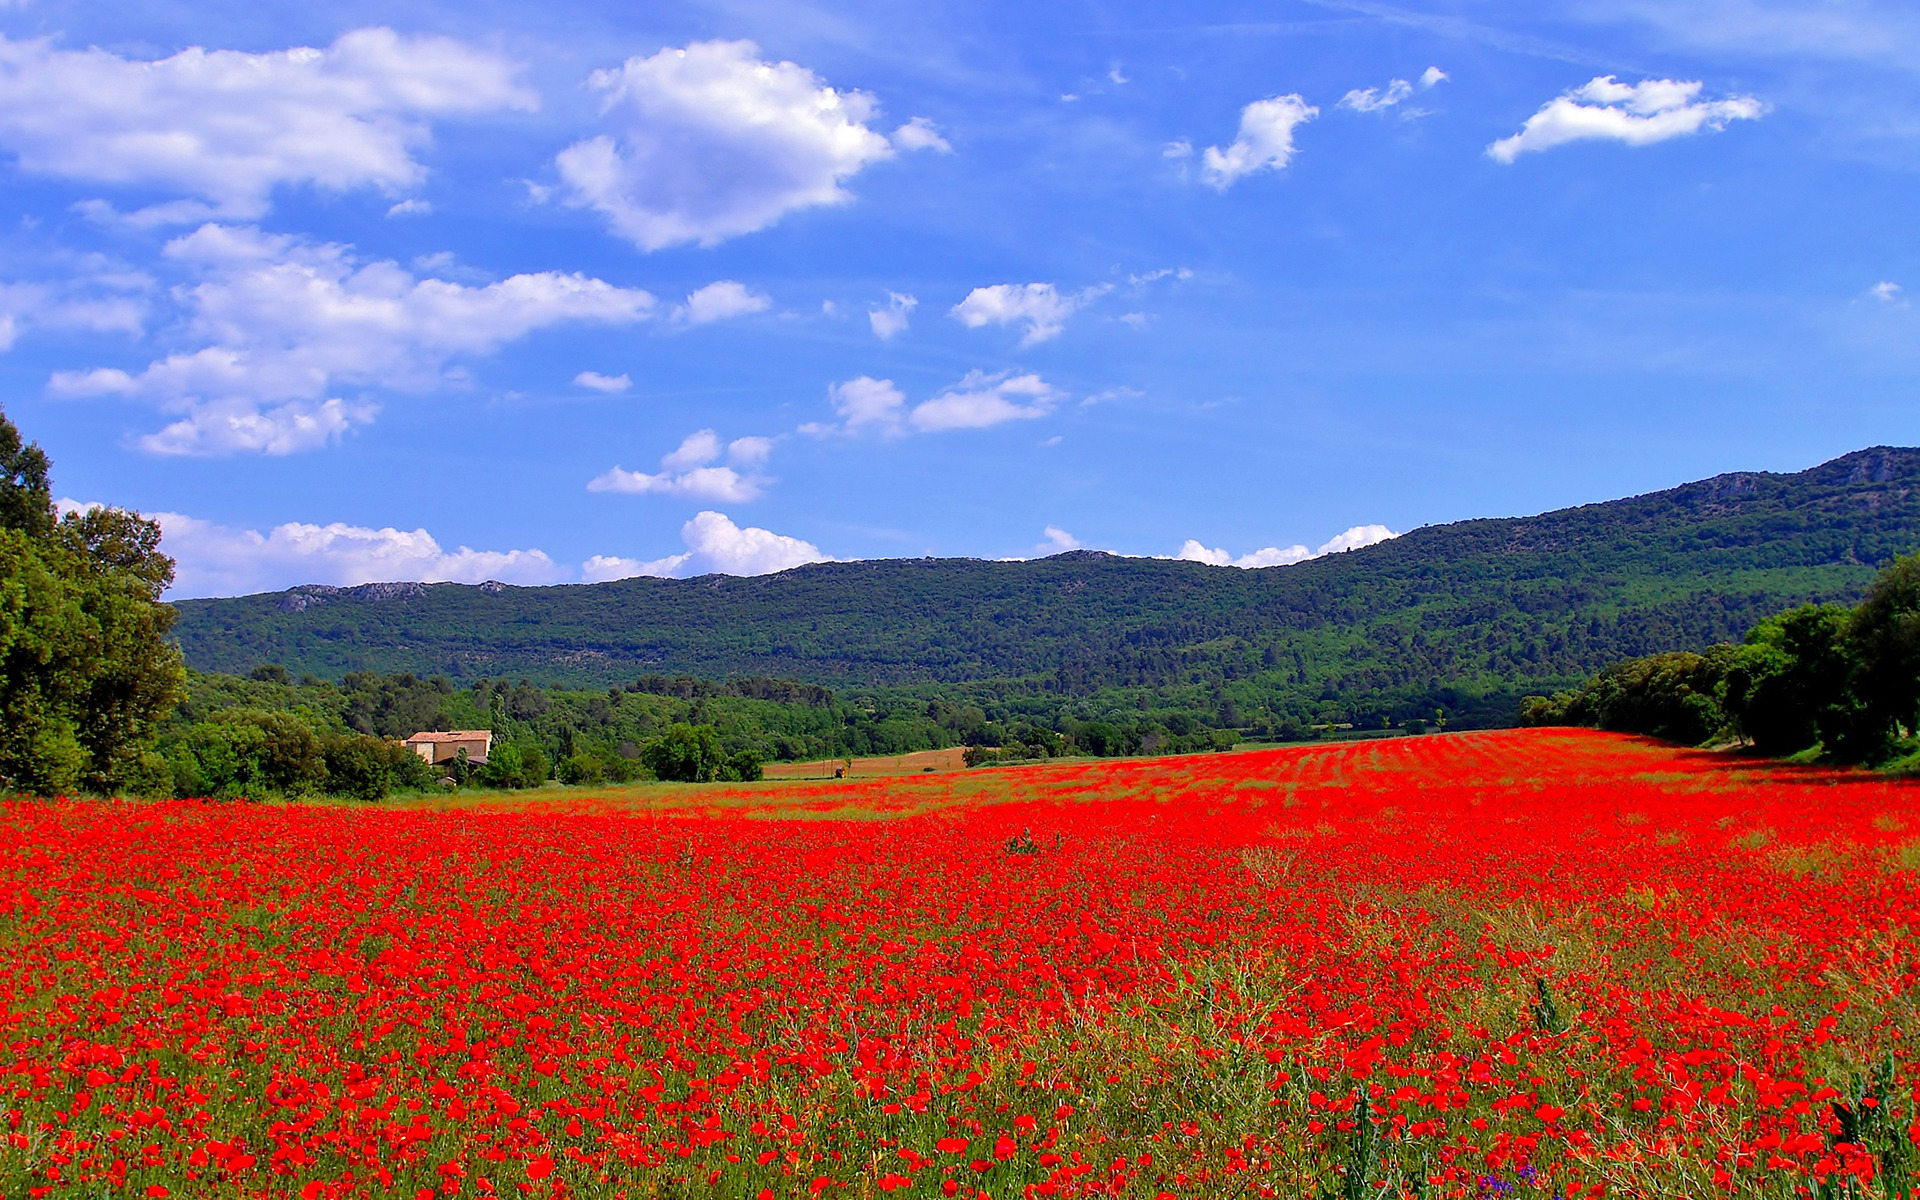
1529 963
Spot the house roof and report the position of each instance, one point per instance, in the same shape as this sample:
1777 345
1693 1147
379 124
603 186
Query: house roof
452 735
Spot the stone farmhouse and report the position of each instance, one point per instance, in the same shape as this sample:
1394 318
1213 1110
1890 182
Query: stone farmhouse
446 747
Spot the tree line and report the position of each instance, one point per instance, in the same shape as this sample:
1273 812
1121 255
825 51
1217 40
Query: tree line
1830 682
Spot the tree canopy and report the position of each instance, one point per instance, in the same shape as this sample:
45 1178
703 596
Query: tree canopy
86 671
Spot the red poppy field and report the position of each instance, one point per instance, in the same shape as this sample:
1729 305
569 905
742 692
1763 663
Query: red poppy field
1547 962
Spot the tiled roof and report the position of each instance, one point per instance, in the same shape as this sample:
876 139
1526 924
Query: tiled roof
453 735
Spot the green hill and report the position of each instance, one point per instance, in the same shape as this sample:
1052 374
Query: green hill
1462 617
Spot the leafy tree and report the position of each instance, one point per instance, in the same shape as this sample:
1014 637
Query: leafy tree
26 494
686 753
249 752
1670 696
371 768
86 672
1883 638
1787 683
742 767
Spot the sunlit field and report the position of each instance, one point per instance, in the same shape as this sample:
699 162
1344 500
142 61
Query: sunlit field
1528 963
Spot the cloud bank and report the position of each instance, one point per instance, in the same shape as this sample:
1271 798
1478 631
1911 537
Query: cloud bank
226 127
216 560
286 321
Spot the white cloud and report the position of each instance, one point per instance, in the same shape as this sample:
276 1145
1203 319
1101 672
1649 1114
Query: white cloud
1277 556
1273 556
980 401
749 451
221 427
95 297
227 127
1368 100
865 403
1040 306
1356 538
1638 114
1886 290
1056 540
921 134
719 301
690 471
286 321
595 381
715 545
1265 141
411 208
893 318
1374 99
1177 149
712 142
216 560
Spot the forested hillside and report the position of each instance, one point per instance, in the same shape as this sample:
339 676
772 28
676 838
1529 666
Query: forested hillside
1459 618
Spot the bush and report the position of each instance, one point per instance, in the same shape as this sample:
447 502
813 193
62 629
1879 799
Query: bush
582 769
742 767
371 768
515 765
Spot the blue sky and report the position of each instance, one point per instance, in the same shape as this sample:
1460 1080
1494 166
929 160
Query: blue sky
357 292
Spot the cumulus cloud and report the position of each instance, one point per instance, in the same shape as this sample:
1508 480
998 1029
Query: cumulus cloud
221 427
1279 556
1039 306
979 401
1886 290
1638 114
865 404
715 545
1369 100
710 142
595 381
719 301
217 560
227 127
286 321
891 319
691 471
1055 540
1265 141
921 134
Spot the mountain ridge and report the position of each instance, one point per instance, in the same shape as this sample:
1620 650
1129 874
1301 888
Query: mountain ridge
1486 606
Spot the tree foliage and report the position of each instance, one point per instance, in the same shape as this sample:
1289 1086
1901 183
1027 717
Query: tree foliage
1842 682
86 672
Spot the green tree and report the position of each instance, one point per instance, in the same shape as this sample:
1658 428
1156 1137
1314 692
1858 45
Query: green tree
687 753
1883 638
1788 682
86 672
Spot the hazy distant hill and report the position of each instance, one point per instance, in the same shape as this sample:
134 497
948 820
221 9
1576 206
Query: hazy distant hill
1485 608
